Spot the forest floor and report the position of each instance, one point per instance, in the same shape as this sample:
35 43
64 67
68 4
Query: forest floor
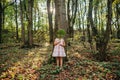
34 64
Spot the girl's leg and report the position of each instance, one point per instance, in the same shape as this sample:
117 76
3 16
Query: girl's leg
61 61
57 61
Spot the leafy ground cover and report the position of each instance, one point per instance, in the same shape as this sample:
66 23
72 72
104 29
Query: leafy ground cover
33 64
81 66
21 64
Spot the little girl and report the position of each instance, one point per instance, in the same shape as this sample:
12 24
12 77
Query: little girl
59 51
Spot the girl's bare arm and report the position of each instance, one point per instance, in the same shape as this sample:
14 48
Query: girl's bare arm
62 44
55 43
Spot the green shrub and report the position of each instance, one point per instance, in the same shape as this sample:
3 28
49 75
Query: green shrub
8 36
116 51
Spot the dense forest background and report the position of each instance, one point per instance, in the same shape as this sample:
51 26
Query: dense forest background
92 26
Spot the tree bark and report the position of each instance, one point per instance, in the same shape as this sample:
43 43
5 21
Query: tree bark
22 24
60 15
118 21
102 47
57 11
79 19
95 13
30 23
0 22
83 18
50 21
2 15
16 16
35 19
89 23
94 29
38 19
71 18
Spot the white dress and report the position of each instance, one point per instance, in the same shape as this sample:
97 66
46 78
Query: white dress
59 50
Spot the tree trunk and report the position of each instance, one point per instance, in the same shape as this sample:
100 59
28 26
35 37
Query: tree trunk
79 19
102 47
50 21
35 19
83 18
3 15
57 11
118 21
38 19
22 24
74 16
30 23
89 33
60 15
71 19
0 22
60 18
94 29
95 13
17 36
89 23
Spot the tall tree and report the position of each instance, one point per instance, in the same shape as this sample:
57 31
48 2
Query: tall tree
83 18
38 18
60 18
118 20
95 14
35 15
0 21
2 9
82 14
89 23
102 44
94 28
50 20
16 21
56 16
71 17
30 23
22 23
60 14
